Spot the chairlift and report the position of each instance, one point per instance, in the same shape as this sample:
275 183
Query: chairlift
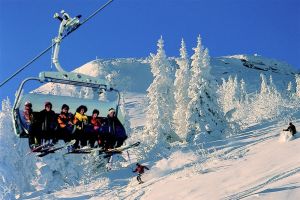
98 86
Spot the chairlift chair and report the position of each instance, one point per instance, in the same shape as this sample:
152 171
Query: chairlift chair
98 86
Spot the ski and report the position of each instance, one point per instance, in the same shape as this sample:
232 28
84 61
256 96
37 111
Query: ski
122 148
107 152
40 148
116 150
55 148
79 151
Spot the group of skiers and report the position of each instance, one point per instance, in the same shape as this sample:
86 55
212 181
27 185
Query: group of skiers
47 126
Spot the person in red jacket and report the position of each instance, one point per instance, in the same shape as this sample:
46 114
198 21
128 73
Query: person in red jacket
140 169
95 123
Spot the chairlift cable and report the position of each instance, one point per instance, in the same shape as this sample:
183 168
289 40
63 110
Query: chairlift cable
53 44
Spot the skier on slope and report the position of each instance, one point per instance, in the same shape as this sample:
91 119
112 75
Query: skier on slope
291 129
140 169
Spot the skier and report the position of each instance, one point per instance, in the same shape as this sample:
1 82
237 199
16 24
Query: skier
65 123
291 129
80 120
48 122
140 169
117 134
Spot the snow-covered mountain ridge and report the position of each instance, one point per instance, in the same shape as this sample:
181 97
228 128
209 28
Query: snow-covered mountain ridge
134 75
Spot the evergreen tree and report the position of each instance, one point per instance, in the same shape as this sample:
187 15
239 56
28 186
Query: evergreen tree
268 102
297 77
161 99
290 89
272 86
243 92
202 114
181 84
264 89
229 94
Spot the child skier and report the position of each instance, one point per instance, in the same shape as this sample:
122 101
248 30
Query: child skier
140 169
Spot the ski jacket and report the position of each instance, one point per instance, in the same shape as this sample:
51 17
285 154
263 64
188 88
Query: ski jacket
49 120
291 128
80 120
140 169
96 122
116 128
64 119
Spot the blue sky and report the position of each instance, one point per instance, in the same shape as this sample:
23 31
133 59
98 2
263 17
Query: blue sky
131 28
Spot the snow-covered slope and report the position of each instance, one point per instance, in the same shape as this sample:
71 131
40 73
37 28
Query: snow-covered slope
252 163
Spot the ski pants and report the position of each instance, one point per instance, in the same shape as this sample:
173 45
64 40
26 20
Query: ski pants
138 178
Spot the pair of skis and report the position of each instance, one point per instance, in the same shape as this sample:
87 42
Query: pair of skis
46 149
117 150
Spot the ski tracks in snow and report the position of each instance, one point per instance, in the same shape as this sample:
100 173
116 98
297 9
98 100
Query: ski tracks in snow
275 178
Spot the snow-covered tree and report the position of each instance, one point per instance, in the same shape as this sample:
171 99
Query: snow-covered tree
290 89
16 170
272 86
268 102
229 94
263 86
203 117
297 77
181 84
161 100
243 91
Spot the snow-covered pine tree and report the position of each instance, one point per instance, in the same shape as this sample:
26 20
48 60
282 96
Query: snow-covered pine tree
229 94
203 116
268 102
181 84
161 100
272 86
297 77
16 171
264 86
243 92
290 89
